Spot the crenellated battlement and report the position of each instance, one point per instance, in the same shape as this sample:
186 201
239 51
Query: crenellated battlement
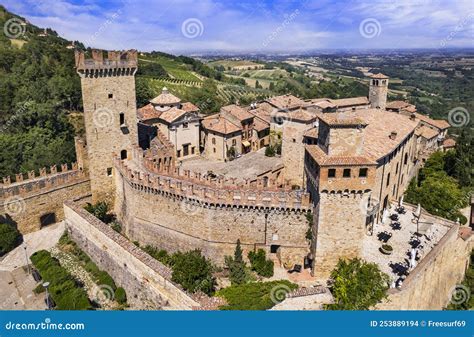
48 178
218 192
117 63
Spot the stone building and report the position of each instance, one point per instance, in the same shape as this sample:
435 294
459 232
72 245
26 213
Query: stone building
108 95
178 122
378 90
221 139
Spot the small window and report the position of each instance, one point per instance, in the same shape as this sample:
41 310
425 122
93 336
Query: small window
109 171
111 95
406 159
122 118
179 153
192 150
213 141
393 192
214 150
396 169
346 173
294 140
363 172
234 142
123 154
331 173
388 179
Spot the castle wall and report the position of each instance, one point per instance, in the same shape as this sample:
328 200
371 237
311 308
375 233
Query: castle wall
168 219
430 285
339 228
146 281
292 150
36 202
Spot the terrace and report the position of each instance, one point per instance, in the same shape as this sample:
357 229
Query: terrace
402 240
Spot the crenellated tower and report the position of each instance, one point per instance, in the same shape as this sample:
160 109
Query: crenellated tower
378 90
108 94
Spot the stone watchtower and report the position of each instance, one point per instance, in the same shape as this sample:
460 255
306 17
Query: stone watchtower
378 90
108 95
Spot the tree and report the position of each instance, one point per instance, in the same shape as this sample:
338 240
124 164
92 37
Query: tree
193 271
237 267
100 210
10 237
464 154
143 92
357 285
270 151
260 264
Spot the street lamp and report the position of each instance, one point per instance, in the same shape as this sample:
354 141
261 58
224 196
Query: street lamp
46 285
27 260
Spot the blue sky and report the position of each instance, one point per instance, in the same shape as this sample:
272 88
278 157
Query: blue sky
185 26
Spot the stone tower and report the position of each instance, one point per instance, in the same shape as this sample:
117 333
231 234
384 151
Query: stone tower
108 95
378 89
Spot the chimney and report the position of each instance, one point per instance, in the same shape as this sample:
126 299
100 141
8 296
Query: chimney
393 135
412 117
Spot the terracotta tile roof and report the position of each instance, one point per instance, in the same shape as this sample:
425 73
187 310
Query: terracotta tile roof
379 76
439 123
259 124
449 142
342 119
312 133
426 132
172 114
324 160
262 112
219 124
301 115
147 112
397 105
286 102
377 141
238 112
344 102
189 107
165 98
323 103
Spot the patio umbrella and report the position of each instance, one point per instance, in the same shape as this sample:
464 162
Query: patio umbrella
384 215
413 253
418 211
400 203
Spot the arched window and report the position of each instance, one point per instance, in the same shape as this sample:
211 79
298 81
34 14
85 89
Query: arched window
123 154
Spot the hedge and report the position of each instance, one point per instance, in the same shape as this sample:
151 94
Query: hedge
64 290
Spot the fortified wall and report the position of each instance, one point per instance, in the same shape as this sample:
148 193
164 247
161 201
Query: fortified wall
175 209
432 283
147 281
32 202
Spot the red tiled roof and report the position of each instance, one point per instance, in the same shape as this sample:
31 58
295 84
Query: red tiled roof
439 123
219 124
426 132
379 76
449 143
286 102
237 111
148 112
344 102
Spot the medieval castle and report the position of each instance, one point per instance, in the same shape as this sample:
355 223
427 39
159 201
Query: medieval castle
344 161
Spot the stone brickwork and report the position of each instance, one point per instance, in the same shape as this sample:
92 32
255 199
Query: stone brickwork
32 202
147 282
182 213
339 228
108 95
431 284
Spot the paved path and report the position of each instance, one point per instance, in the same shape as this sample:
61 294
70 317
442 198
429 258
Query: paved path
45 238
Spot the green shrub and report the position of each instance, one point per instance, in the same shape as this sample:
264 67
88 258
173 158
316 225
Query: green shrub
116 226
103 278
260 264
254 295
120 295
10 237
193 272
270 151
357 285
159 254
100 210
39 289
63 288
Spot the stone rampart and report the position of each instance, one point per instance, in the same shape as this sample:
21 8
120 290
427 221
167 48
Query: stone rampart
34 201
147 282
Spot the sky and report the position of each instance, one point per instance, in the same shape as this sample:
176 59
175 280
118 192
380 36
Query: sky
186 26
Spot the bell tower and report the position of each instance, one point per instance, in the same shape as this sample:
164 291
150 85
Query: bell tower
108 95
378 90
